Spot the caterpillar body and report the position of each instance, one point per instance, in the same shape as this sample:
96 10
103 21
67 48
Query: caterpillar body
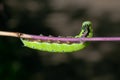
60 46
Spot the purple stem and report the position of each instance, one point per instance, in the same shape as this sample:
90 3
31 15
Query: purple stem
76 40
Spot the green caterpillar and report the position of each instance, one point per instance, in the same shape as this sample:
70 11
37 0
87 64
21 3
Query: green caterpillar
58 46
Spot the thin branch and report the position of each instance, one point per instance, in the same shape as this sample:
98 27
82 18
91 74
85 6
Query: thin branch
62 39
14 34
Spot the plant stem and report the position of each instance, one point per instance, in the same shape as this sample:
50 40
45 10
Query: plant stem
14 34
65 39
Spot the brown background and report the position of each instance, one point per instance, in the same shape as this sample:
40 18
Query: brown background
99 61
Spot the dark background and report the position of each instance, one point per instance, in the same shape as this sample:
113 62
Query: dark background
99 61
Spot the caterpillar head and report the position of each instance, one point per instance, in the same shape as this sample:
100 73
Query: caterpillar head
86 24
87 29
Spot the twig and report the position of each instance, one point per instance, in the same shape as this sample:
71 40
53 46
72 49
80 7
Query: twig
63 39
14 34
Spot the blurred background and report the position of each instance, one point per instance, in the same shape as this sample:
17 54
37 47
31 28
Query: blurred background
99 61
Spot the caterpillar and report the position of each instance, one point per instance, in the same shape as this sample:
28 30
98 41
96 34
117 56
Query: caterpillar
55 45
